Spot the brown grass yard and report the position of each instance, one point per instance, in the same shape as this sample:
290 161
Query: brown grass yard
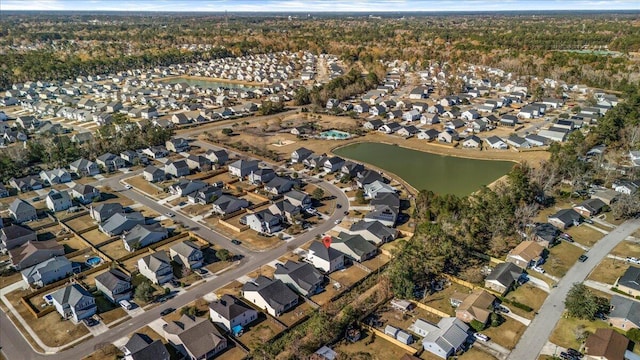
608 271
108 352
476 354
440 299
565 331
95 236
379 349
233 288
196 209
73 243
402 320
141 184
507 334
292 316
264 270
529 295
585 235
329 292
627 248
376 262
348 276
561 258
259 332
81 223
233 352
115 250
251 240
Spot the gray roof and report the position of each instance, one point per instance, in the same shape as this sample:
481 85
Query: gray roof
626 309
71 295
142 347
274 292
199 336
390 199
631 278
567 216
450 335
244 164
593 205
19 205
84 189
303 274
119 222
229 307
112 278
375 227
506 273
141 231
225 201
15 231
106 210
356 243
156 260
295 194
45 266
185 248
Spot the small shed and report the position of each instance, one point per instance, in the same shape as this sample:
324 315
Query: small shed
391 331
403 305
404 337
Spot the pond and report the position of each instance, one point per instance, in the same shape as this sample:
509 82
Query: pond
204 83
424 171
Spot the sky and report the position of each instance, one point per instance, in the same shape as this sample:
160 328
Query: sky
318 5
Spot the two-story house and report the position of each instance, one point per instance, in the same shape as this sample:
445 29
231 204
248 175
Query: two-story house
231 314
187 253
156 267
115 285
269 294
74 302
58 200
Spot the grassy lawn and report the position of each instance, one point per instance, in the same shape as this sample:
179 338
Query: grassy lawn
81 223
259 332
608 271
264 270
402 320
567 328
108 352
561 258
529 295
379 349
324 297
291 317
72 244
348 276
96 236
376 262
251 240
585 235
440 299
233 288
507 334
115 250
476 354
627 248
11 279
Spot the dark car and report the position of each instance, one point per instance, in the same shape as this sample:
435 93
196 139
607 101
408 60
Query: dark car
588 221
167 311
90 322
583 258
339 206
236 242
575 353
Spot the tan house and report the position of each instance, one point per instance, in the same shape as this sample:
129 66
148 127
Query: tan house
526 254
475 306
606 344
629 282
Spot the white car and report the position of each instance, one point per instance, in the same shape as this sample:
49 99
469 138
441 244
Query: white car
481 337
338 221
128 187
170 214
633 260
538 269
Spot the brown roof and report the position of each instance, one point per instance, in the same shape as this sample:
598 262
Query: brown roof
607 343
528 250
31 247
199 336
479 304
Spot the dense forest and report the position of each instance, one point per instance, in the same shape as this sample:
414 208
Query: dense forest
40 46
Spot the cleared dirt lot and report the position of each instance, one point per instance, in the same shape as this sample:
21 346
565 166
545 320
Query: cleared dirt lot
348 276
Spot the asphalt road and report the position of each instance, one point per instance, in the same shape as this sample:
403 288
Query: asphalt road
536 335
14 346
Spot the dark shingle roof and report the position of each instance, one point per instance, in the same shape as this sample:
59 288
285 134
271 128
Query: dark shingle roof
275 292
229 307
631 278
505 273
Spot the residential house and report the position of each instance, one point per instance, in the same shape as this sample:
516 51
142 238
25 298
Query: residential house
518 142
205 195
196 339
478 306
300 154
55 176
81 137
263 221
153 174
110 162
629 282
242 168
48 271
367 176
156 267
378 187
606 344
84 167
333 164
495 142
429 134
448 136
443 339
554 134
351 169
374 231
261 176
177 145
13 236
130 156
177 168
219 157
279 185
118 223
199 162
590 207
390 128
627 187
227 204
298 198
142 347
472 142
536 140
184 187
606 196
144 235
180 119
103 212
26 183
58 200
156 152
509 120
327 259
187 254
74 302
34 252
85 193
374 124
354 247
545 234
408 131
625 313
503 277
231 314
565 218
21 211
430 119
302 277
3 191
527 254
272 295
114 285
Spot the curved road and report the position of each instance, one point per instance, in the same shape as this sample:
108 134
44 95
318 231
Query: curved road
536 335
14 346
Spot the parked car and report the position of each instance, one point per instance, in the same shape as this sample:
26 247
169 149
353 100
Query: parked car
339 206
338 221
170 214
575 353
128 187
583 258
90 322
538 269
566 236
167 311
588 221
481 337
633 260
236 242
502 309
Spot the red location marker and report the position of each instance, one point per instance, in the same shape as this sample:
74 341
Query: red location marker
326 241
